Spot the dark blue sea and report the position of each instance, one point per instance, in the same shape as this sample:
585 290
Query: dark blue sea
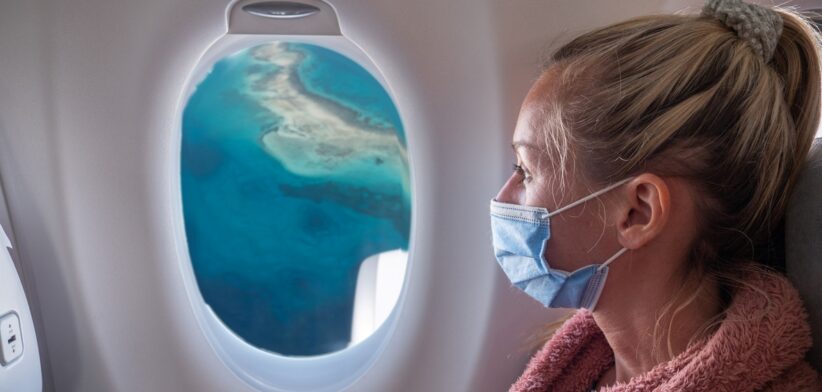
276 254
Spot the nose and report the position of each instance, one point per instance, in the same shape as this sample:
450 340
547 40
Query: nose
508 193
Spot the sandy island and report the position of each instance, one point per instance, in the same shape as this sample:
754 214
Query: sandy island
318 137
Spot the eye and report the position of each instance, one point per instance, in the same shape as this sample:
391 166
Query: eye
521 172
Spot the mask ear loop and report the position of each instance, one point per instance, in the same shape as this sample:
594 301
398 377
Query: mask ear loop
589 197
612 258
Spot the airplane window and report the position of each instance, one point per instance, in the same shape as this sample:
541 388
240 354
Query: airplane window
296 197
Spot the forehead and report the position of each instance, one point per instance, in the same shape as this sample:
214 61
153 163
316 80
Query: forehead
535 110
526 133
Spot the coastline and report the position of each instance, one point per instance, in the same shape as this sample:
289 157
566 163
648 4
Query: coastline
347 114
316 135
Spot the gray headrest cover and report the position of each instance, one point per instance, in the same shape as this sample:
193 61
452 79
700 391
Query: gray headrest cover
803 245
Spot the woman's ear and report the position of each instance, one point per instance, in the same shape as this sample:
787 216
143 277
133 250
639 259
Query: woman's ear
645 210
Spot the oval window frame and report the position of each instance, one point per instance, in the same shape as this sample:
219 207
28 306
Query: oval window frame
261 369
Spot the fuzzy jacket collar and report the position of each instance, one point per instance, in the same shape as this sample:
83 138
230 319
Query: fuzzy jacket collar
759 346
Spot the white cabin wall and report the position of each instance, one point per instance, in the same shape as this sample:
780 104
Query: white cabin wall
28 167
78 76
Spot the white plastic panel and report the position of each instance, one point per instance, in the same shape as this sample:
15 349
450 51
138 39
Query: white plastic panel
11 339
19 354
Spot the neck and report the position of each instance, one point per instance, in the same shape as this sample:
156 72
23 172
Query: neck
629 326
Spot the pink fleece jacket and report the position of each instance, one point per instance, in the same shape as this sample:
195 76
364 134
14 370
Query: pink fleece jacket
758 347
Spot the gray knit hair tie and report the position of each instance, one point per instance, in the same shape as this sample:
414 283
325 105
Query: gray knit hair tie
760 26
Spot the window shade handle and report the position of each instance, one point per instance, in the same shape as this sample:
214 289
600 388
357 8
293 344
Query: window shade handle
303 17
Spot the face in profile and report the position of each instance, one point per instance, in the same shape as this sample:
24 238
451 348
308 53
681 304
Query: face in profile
580 236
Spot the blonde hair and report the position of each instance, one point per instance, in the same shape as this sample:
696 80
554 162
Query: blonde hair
685 96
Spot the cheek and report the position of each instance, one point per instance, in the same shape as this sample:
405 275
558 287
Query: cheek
578 239
537 193
563 250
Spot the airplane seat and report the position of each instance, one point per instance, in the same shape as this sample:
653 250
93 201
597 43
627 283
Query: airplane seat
803 245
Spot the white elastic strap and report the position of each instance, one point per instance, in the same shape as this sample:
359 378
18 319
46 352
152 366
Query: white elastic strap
612 258
589 197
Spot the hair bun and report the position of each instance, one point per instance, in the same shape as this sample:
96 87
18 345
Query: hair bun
760 26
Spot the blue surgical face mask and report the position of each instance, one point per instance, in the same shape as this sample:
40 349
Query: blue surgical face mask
520 236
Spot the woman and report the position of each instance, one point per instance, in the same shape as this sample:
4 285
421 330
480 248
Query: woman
663 150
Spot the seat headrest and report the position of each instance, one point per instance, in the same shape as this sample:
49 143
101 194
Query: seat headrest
803 245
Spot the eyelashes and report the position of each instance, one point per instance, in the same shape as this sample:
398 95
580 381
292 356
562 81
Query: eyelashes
519 170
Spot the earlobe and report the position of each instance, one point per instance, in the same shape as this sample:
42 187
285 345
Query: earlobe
645 210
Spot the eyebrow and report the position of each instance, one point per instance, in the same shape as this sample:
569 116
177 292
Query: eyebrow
527 145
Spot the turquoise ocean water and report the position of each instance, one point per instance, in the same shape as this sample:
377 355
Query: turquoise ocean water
276 254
